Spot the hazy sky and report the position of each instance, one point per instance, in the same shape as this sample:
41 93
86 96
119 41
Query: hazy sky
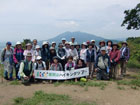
44 19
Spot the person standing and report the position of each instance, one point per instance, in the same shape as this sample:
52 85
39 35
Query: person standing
34 44
114 59
7 60
124 58
18 57
90 59
83 51
45 53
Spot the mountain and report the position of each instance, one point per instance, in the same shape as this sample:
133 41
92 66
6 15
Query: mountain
79 36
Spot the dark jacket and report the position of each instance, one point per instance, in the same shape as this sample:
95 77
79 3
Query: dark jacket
90 57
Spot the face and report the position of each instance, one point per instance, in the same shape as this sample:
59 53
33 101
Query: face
52 51
67 46
60 46
38 49
83 46
102 44
109 43
93 43
29 47
55 61
73 39
53 45
35 42
114 47
72 47
39 61
63 41
8 46
29 58
77 47
19 46
70 60
46 45
80 62
103 52
124 45
90 47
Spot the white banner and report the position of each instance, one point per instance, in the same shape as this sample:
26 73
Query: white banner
61 75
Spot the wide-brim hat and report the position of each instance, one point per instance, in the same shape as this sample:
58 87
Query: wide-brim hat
125 43
38 58
116 44
37 47
84 43
102 42
55 57
45 43
103 49
18 43
28 44
29 55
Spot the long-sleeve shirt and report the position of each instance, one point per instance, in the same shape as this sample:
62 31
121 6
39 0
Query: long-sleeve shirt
115 54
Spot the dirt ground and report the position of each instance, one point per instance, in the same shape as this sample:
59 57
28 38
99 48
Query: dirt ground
111 95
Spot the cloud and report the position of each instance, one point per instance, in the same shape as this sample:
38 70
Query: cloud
36 18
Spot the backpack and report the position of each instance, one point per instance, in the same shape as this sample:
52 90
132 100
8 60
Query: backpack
37 65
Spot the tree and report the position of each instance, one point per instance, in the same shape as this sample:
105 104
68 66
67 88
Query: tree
132 18
25 41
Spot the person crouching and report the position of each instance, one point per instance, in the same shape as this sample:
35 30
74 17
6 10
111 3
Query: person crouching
26 70
102 65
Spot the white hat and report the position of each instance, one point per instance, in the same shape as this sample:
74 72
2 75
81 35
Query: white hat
67 43
37 46
72 37
28 44
53 42
84 43
92 40
38 58
103 49
63 39
18 43
45 42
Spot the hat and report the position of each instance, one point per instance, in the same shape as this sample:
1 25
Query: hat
18 43
72 37
29 55
115 44
54 42
72 44
84 43
63 39
88 42
55 57
60 44
67 43
8 43
37 46
52 48
92 40
124 42
45 42
28 44
38 58
103 49
101 42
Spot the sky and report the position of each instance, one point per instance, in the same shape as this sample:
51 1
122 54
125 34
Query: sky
44 19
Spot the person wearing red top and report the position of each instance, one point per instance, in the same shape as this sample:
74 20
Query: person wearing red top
114 59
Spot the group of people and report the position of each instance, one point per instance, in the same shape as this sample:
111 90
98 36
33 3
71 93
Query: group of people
103 60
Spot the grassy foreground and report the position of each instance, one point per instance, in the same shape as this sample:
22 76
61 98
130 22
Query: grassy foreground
41 98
